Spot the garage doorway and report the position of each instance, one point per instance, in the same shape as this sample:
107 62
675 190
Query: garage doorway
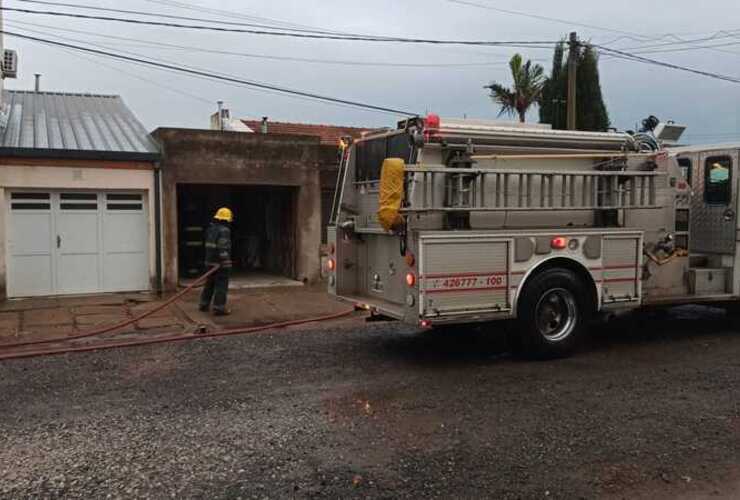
263 232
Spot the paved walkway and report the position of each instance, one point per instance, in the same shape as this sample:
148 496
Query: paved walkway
32 319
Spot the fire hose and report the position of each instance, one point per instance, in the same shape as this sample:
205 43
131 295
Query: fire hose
118 326
145 342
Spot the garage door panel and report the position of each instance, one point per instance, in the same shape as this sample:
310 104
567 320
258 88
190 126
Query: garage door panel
125 233
78 233
30 276
78 274
30 233
125 272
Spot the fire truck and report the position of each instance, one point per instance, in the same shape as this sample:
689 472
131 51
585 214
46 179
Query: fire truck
454 222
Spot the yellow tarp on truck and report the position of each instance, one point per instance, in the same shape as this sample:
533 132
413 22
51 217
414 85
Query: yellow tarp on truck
391 193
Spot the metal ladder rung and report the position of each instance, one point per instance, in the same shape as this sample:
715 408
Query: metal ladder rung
500 190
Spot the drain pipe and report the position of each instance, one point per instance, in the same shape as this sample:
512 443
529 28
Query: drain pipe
158 226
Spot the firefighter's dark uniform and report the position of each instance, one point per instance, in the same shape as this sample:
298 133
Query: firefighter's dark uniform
218 252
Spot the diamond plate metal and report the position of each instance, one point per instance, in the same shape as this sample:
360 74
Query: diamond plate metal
710 233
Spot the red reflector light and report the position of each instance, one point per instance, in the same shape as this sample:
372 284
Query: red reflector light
425 323
432 121
682 185
331 264
559 243
411 279
332 249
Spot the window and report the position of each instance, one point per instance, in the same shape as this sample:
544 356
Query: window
370 155
78 201
124 202
718 180
682 220
30 201
686 169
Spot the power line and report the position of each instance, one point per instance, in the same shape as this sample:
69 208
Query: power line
632 57
211 75
140 61
545 18
340 62
140 57
626 34
181 18
232 14
541 44
141 78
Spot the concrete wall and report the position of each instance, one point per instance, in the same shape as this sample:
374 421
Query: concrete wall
233 158
87 175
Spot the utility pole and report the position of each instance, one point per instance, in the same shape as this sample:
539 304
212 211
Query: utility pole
572 79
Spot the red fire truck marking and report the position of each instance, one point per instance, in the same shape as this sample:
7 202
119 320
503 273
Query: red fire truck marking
465 282
467 290
462 275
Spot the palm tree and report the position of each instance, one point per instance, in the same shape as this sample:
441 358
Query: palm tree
528 83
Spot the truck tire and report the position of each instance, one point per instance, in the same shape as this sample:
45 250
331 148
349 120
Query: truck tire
553 314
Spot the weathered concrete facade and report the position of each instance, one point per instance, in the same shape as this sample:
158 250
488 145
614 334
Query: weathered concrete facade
204 157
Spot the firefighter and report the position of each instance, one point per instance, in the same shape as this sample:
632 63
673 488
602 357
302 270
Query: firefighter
218 253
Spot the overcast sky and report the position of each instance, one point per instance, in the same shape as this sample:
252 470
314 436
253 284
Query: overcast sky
711 108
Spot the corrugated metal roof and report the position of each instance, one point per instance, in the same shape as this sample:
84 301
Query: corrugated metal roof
74 123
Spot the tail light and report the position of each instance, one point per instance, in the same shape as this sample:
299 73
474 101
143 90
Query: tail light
332 249
425 323
331 265
411 279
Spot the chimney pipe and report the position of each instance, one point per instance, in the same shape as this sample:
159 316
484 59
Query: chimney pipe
263 128
38 82
220 115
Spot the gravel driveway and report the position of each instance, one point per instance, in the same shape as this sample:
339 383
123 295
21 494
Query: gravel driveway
650 409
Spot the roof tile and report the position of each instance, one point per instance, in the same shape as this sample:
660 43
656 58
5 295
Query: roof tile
328 134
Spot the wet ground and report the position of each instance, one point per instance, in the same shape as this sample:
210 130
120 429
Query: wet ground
649 409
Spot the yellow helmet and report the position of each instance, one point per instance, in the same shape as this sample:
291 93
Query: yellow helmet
224 214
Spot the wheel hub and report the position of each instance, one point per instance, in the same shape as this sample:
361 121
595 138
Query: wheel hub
556 314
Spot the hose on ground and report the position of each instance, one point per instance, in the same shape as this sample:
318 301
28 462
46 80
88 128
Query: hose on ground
117 326
172 338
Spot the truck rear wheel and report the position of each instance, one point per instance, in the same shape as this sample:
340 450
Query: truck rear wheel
553 315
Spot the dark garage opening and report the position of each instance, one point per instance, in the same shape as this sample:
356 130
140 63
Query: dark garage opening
263 232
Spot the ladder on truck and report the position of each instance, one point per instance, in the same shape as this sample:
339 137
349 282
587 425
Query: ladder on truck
502 190
341 177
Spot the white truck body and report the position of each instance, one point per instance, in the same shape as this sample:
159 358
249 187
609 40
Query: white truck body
488 209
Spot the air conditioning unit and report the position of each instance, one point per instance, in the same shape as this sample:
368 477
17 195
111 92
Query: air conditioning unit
10 64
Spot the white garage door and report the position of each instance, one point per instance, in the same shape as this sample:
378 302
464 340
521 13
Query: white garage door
76 242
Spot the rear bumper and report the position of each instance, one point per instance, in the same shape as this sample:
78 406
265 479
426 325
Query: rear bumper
374 305
397 312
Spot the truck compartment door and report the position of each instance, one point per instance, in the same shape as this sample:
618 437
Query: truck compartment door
461 275
714 205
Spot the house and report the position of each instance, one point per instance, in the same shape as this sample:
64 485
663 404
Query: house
280 185
78 191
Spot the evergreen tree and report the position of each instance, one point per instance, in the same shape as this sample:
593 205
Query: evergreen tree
591 111
553 104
